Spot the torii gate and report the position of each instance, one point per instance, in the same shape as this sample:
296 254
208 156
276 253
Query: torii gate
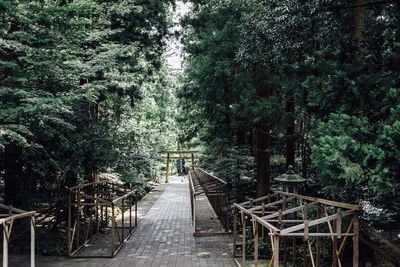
171 154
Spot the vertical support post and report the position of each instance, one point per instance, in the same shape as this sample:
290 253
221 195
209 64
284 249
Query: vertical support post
78 219
5 245
112 230
234 231
69 241
32 241
356 229
167 170
130 214
106 208
276 251
255 229
96 187
192 157
136 203
123 221
318 240
243 239
334 242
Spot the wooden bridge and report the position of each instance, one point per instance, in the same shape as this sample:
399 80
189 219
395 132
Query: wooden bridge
190 221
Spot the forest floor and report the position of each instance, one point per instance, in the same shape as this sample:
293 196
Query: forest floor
164 237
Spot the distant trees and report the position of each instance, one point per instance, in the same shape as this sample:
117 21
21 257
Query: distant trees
332 67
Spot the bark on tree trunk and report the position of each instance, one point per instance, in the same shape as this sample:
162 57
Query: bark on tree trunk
358 26
241 136
290 142
13 175
263 160
263 147
359 16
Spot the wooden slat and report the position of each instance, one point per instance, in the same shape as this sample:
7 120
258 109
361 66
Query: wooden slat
323 201
315 222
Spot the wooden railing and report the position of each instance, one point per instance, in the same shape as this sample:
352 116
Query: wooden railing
8 216
285 218
216 191
92 210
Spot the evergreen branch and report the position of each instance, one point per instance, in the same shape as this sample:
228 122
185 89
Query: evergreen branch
29 86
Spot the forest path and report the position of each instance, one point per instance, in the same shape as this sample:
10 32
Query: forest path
164 237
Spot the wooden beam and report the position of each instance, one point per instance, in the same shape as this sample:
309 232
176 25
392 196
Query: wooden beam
180 151
261 221
281 201
323 201
288 211
315 222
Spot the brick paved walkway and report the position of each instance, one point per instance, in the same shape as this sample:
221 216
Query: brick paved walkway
163 238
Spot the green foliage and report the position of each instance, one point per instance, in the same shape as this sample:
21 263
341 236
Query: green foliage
73 77
345 90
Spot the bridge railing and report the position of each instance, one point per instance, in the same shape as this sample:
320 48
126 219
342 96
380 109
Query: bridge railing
8 216
215 189
285 218
92 210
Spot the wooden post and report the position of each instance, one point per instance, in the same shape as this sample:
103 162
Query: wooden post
276 251
243 239
5 245
255 230
69 241
192 157
32 241
136 203
234 231
130 214
123 221
318 240
112 230
334 243
78 221
356 229
167 170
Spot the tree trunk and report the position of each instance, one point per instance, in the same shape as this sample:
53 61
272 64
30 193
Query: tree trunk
263 160
359 16
241 136
263 146
13 175
358 26
290 138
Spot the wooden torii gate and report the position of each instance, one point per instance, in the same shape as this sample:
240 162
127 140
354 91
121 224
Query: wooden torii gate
177 154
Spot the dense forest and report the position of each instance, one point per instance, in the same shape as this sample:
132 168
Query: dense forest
313 84
86 93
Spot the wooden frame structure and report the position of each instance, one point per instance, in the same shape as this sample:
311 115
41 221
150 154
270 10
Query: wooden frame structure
177 154
8 216
92 211
217 193
286 218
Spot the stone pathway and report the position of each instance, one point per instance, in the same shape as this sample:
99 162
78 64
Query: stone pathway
164 237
